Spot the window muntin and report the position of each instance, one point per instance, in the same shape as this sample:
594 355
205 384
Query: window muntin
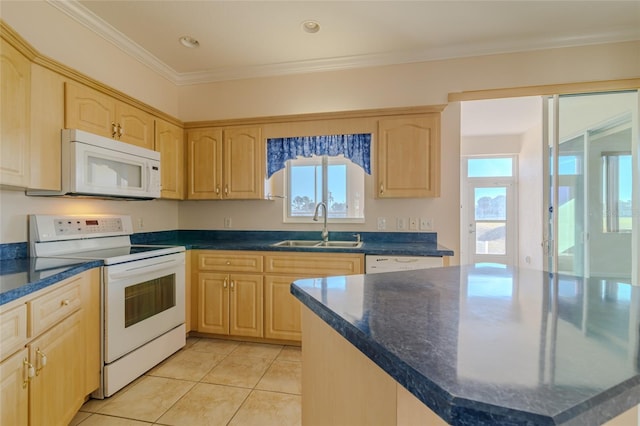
335 180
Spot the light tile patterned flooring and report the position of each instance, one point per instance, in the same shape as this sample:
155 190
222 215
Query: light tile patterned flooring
209 382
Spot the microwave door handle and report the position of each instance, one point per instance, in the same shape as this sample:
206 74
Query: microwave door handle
148 177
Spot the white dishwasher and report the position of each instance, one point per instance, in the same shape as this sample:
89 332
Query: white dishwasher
375 264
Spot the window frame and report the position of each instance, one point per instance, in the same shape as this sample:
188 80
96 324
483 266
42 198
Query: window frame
610 192
324 162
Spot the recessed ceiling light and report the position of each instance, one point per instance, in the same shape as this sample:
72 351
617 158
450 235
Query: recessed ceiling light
311 26
189 42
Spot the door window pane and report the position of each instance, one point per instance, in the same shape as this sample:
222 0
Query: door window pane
616 192
490 167
491 237
491 203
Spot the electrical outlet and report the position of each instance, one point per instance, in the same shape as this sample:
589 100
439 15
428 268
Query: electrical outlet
227 222
426 224
401 223
413 223
382 223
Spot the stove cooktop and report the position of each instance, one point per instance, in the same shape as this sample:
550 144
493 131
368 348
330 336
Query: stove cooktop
114 255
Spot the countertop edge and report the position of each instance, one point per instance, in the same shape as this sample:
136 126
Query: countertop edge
32 287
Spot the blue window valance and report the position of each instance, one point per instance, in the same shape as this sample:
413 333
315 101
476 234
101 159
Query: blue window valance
355 147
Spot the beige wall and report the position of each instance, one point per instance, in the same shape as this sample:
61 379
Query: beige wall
54 34
156 215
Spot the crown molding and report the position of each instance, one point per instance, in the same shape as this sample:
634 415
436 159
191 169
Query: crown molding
84 16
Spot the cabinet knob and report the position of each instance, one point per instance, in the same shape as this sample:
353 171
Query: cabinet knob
232 284
226 190
381 188
224 285
217 189
120 131
65 302
114 131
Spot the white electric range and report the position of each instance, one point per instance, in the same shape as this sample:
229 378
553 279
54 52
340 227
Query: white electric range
142 289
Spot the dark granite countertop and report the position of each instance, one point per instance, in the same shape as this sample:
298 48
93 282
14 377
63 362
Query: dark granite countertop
499 346
378 243
20 277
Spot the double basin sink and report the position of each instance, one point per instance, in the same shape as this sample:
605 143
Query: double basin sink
319 244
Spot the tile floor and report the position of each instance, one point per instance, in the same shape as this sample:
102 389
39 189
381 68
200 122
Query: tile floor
209 382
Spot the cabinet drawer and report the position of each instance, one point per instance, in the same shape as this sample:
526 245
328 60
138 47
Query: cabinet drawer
50 308
13 330
314 265
230 262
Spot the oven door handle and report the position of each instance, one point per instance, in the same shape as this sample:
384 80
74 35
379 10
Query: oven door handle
139 270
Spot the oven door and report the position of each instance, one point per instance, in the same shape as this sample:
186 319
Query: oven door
143 300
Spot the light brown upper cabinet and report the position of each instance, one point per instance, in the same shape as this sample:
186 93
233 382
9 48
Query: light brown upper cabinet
95 112
408 157
225 164
170 144
47 118
15 72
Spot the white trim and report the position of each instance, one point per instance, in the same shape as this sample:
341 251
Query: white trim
84 16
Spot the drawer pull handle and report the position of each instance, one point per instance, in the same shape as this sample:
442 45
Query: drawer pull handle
41 360
29 372
65 302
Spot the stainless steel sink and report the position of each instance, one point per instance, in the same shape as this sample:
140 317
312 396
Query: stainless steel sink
340 244
297 243
319 244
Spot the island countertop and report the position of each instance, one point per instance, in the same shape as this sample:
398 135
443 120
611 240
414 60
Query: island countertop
487 345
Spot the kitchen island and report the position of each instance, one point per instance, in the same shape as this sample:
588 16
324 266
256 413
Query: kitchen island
470 345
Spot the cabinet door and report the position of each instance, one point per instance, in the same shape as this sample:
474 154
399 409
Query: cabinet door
170 144
14 391
13 330
56 393
47 118
15 77
213 300
89 110
204 150
408 157
282 310
134 126
246 305
244 174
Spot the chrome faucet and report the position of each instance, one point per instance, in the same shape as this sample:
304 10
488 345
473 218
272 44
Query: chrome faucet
325 232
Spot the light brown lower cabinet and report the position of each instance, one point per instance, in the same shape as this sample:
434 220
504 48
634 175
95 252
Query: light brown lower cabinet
57 361
248 293
282 310
230 304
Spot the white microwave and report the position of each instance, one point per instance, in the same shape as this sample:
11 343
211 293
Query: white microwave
96 166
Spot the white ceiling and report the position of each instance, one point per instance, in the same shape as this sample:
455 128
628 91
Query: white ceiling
243 39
